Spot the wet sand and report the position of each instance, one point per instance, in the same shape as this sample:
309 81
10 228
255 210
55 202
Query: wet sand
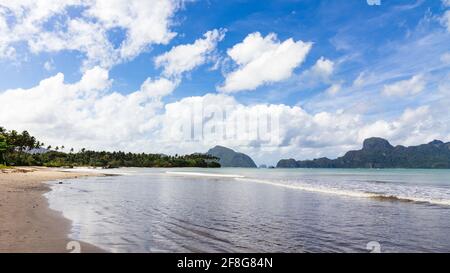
27 224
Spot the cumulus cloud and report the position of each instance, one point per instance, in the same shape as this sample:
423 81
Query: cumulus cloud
445 20
220 119
184 58
263 60
47 26
411 86
85 113
197 123
323 68
414 126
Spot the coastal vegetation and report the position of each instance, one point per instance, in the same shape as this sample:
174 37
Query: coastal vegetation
22 149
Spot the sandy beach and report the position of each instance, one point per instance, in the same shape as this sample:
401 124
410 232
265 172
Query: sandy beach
27 224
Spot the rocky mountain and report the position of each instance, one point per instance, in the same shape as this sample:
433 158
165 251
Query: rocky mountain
229 158
379 153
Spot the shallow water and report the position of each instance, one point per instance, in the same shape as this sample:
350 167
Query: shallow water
259 210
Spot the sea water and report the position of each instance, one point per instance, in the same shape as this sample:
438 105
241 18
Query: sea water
259 210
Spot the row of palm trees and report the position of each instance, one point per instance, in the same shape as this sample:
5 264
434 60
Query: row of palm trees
18 148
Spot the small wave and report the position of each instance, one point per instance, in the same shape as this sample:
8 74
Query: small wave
311 189
356 194
410 199
391 198
104 172
205 174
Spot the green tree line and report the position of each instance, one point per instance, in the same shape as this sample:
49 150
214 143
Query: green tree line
22 149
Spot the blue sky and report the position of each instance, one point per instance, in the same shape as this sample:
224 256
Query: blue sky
383 61
337 28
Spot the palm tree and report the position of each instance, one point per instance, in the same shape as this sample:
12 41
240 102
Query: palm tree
3 148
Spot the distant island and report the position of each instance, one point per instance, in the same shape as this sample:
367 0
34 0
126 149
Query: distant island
229 158
22 149
379 153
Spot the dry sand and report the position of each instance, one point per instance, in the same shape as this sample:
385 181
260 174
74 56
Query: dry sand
27 224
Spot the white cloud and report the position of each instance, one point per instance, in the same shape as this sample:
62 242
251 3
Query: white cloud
145 22
157 89
445 58
323 68
334 89
411 86
300 134
317 76
184 58
445 20
242 127
446 3
414 126
85 113
49 65
263 60
361 80
89 38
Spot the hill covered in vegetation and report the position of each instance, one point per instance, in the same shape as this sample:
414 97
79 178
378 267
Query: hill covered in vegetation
379 153
22 149
230 158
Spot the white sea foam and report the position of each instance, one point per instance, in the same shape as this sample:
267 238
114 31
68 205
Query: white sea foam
351 193
100 171
317 189
205 174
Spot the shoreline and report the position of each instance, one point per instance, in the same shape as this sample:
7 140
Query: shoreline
27 224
